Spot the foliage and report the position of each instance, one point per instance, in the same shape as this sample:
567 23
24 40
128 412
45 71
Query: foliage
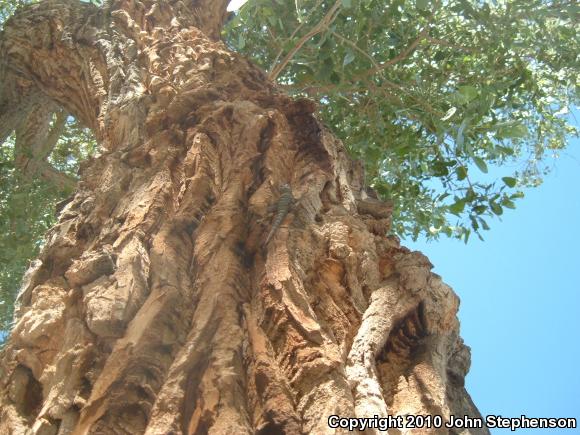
436 98
27 209
24 218
7 7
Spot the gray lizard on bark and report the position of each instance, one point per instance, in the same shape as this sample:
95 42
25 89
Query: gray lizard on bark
282 207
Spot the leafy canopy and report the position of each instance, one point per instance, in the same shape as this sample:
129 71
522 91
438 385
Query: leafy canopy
442 100
453 106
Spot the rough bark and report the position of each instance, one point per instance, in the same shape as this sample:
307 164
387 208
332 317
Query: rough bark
155 306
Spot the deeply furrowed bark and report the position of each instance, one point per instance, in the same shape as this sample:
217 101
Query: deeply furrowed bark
155 306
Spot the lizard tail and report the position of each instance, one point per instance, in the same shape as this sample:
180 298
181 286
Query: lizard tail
270 234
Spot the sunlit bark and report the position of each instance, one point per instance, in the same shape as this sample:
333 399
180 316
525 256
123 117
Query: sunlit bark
155 306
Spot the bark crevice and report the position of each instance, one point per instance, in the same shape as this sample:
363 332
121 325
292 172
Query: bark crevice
157 306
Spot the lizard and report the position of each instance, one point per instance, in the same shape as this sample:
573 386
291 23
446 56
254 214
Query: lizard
282 207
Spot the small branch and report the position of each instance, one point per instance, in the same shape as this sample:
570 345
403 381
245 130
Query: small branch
356 47
423 34
292 36
35 140
446 43
401 56
320 27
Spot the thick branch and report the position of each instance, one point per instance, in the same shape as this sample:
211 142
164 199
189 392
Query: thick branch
211 15
48 145
44 170
13 113
35 141
46 45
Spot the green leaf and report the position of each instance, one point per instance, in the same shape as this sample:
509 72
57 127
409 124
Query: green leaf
509 181
347 4
461 172
440 169
348 58
506 202
506 150
474 223
460 138
514 131
449 114
467 93
480 163
484 224
423 4
480 209
457 207
466 235
496 208
273 20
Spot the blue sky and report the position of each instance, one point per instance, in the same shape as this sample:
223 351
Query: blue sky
520 300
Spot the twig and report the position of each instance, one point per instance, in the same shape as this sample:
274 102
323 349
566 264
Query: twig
292 36
353 45
321 26
406 52
445 43
399 57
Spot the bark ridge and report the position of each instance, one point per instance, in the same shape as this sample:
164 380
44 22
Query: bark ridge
155 306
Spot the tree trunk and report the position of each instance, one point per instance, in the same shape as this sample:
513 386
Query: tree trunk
156 306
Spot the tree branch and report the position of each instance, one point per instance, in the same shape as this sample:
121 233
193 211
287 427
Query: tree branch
320 27
49 143
399 57
356 47
49 47
13 112
59 179
446 43
35 140
423 34
294 33
211 16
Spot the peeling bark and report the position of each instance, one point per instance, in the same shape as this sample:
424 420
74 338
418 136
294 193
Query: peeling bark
155 306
